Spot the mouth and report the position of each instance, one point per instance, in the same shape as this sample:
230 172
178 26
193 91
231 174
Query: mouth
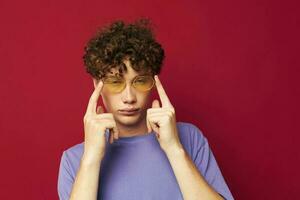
129 111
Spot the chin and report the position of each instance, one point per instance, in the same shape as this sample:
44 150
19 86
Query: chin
129 120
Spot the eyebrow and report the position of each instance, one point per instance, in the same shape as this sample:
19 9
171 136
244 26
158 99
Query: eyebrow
142 74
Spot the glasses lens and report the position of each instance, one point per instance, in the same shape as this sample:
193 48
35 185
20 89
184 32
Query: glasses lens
114 84
143 83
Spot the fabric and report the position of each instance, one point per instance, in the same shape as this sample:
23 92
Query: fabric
136 168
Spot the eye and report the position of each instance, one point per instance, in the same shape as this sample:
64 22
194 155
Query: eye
116 82
113 81
140 81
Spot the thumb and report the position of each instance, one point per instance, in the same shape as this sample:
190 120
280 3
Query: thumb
155 104
148 125
99 110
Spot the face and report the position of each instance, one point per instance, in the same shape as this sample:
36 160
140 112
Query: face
130 97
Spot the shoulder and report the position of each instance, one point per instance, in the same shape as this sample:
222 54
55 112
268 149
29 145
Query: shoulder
72 155
191 136
187 129
187 126
75 150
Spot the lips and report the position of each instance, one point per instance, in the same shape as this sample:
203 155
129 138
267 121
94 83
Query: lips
129 111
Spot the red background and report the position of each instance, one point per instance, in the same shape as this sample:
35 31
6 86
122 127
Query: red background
231 68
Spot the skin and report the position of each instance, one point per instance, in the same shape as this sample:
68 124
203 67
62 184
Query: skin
129 97
160 119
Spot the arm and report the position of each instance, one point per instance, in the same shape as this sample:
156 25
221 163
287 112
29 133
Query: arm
191 182
163 121
87 180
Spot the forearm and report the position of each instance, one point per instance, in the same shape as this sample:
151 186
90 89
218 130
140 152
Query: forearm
192 184
85 186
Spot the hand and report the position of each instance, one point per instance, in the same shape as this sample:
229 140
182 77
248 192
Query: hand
95 124
162 120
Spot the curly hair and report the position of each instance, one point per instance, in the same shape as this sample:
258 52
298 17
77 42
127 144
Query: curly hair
111 44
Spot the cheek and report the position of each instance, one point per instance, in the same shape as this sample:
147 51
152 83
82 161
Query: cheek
108 101
145 99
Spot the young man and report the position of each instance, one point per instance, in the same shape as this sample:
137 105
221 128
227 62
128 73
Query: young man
135 149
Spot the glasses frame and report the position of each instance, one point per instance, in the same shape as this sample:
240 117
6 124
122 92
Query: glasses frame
132 82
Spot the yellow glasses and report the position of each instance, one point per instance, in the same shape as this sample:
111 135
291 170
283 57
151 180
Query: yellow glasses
116 84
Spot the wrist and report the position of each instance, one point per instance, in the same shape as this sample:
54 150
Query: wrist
176 150
91 159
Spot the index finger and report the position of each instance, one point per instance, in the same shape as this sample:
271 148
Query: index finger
91 108
162 94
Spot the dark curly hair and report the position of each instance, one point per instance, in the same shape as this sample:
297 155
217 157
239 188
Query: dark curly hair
113 43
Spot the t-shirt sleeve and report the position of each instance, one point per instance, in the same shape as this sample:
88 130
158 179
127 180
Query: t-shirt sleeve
206 163
65 178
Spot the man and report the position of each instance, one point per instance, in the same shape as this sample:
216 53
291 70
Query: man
131 150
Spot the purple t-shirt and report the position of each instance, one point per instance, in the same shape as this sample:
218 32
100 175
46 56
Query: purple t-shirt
136 168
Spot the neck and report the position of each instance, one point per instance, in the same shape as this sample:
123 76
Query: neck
134 130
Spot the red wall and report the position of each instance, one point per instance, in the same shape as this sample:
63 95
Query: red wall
231 68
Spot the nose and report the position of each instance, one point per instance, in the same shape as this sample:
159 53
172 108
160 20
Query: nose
128 94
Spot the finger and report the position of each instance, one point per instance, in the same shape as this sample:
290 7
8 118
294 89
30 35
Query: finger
148 125
116 132
158 110
155 119
91 108
162 115
155 104
99 110
111 138
165 111
154 127
113 129
104 116
161 92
